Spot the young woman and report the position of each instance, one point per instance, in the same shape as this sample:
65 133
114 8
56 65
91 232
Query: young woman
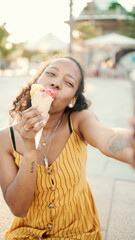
55 201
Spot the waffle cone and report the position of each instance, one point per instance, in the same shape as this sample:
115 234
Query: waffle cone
43 103
42 98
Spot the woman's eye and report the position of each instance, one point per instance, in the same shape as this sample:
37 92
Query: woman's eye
50 73
69 83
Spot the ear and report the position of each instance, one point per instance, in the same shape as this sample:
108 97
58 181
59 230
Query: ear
72 102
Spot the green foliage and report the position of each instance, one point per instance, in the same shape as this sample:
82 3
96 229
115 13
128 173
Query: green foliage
84 31
29 54
3 40
115 6
87 7
4 34
6 48
127 27
132 13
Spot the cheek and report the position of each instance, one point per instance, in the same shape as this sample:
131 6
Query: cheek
63 98
68 94
42 80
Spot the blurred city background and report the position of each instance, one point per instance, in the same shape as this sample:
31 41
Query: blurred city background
101 35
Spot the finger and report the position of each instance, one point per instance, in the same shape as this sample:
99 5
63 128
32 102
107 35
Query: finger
131 157
132 141
132 160
31 122
133 164
47 116
30 109
30 114
30 133
39 125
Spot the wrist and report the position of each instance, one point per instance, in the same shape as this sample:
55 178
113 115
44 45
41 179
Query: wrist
30 147
31 154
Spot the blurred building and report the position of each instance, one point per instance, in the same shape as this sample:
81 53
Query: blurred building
105 21
107 18
113 55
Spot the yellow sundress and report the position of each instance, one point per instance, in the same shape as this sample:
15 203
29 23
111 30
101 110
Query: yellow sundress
63 207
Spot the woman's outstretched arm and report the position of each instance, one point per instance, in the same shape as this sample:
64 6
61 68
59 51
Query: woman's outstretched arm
112 142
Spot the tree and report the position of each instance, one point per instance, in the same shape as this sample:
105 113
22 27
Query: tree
3 40
6 47
115 5
84 31
127 27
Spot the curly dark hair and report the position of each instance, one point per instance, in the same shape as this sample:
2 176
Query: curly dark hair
23 100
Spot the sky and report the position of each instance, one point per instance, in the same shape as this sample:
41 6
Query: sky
32 19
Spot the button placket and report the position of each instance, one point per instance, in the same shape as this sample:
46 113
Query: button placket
52 196
51 205
49 226
52 189
49 170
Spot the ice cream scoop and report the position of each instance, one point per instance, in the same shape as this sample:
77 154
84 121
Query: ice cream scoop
42 98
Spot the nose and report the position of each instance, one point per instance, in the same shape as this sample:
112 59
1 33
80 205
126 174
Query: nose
56 84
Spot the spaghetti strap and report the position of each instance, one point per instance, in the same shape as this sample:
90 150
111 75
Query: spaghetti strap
70 123
12 137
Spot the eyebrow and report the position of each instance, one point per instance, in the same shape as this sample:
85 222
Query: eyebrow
66 74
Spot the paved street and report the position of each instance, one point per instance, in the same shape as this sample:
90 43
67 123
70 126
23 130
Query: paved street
112 182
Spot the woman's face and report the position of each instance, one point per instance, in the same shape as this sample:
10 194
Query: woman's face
62 75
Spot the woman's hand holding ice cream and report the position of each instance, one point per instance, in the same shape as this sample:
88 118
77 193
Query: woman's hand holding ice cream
31 123
42 98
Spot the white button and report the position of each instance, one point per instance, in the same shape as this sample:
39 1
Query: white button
49 170
52 188
49 226
51 205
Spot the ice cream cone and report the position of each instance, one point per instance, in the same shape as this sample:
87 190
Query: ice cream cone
42 98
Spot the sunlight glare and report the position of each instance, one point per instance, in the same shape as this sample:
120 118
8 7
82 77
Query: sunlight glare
28 20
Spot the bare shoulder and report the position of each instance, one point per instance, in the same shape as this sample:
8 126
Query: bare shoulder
5 143
82 116
82 119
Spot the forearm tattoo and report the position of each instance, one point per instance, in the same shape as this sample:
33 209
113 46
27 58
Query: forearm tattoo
118 142
32 167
